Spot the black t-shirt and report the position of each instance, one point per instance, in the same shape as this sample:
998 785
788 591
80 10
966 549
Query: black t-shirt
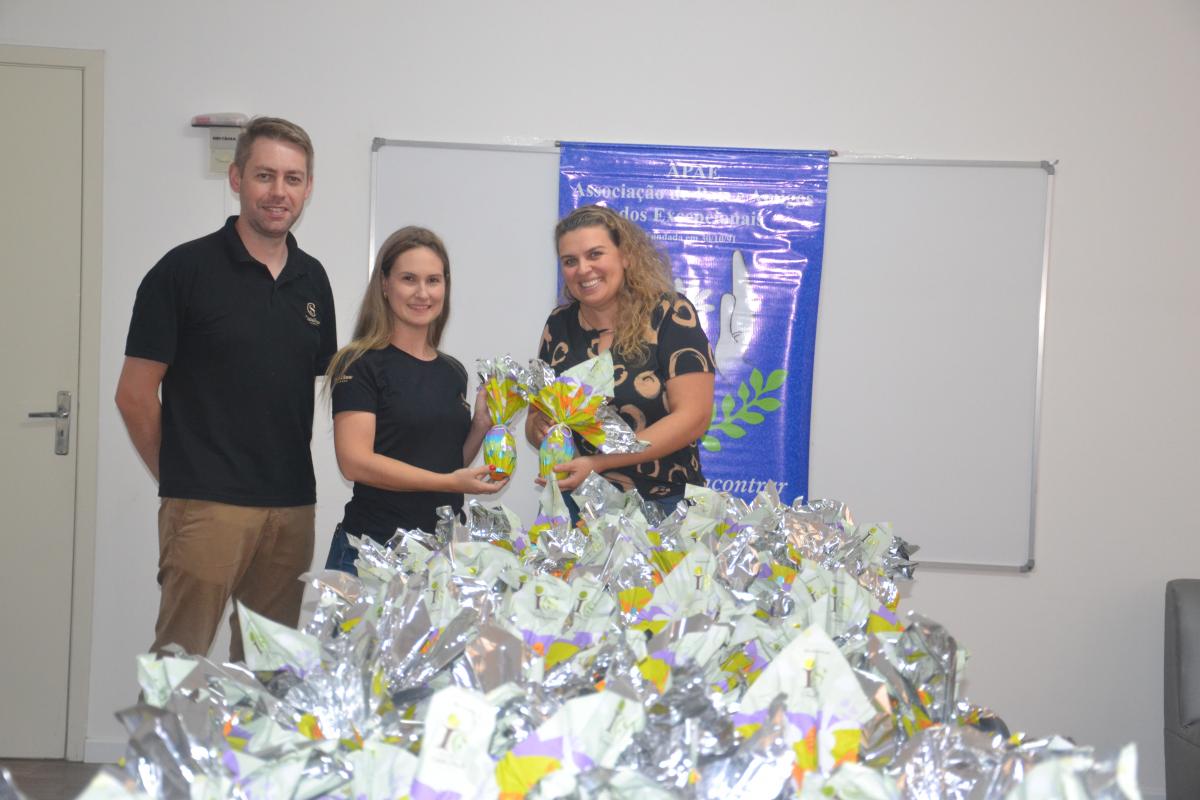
678 346
422 418
242 350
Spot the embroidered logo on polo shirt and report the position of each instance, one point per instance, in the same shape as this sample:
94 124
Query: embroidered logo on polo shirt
310 314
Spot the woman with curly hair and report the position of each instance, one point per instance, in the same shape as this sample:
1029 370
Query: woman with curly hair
618 297
403 429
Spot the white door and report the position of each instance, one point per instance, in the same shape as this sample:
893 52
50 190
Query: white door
41 201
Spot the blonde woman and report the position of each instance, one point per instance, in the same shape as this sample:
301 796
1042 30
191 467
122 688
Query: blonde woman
402 426
619 297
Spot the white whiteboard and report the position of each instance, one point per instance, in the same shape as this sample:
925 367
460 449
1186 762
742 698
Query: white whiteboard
928 349
928 353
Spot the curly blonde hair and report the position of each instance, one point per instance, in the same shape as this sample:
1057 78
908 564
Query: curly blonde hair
647 276
373 330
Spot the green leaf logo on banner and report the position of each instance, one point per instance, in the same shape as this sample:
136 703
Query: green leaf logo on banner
745 410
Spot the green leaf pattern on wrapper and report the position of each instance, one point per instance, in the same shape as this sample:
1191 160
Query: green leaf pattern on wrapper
270 645
746 410
159 677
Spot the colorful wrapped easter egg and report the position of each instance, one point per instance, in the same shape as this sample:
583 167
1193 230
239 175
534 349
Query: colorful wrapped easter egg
558 447
500 452
501 381
578 399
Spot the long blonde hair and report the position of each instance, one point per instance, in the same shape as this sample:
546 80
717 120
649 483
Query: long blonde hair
647 275
373 330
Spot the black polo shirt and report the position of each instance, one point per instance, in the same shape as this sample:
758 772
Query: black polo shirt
241 350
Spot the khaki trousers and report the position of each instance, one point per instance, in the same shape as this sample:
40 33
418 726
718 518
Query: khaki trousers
209 552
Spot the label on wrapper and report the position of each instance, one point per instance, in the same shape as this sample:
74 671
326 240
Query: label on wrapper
557 448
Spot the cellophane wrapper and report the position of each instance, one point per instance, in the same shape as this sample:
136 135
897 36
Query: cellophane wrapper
726 650
502 381
578 400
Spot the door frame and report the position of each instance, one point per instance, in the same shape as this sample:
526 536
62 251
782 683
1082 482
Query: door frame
87 401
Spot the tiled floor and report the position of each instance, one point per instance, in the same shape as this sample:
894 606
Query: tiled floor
49 779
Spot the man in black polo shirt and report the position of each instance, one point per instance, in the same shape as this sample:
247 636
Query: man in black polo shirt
234 327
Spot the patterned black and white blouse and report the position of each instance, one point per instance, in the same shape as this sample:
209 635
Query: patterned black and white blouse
677 346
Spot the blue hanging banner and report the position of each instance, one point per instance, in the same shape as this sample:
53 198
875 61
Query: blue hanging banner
744 231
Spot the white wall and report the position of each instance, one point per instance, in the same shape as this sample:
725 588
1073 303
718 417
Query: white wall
1106 86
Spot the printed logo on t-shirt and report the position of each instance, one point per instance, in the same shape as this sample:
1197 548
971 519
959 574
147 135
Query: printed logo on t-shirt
310 314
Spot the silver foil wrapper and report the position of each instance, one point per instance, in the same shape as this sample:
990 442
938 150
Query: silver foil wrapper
761 767
619 436
503 367
8 787
386 646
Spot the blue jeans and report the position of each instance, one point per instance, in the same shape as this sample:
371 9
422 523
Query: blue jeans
341 552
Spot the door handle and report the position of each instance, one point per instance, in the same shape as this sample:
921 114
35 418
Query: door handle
62 423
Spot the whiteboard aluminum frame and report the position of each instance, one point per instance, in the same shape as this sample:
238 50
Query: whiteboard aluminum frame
1049 167
859 158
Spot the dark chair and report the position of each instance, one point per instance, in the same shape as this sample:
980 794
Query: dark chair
1181 685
